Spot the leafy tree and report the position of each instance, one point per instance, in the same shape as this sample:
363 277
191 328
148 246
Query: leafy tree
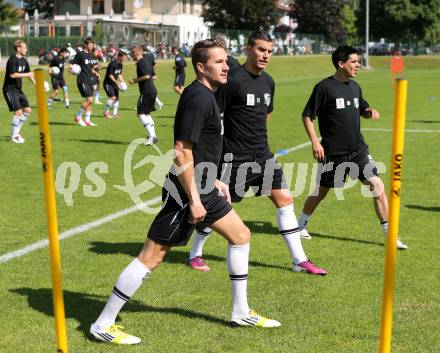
240 14
46 8
349 24
322 17
8 14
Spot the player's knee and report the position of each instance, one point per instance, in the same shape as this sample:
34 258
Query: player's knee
376 186
243 236
27 110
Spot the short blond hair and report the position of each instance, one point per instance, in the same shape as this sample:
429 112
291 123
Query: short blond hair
18 43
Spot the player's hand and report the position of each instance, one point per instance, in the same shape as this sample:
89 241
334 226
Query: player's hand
223 190
31 74
318 151
197 212
131 82
154 77
372 113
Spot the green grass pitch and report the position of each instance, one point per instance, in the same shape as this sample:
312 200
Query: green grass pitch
180 311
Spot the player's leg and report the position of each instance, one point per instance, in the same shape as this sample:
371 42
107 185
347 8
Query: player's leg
53 94
232 228
84 92
311 204
25 113
116 104
159 103
196 260
129 281
66 94
108 106
89 105
96 93
290 232
144 107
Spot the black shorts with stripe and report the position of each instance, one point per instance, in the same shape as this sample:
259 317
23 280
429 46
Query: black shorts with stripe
85 89
58 82
111 90
179 80
171 226
146 103
15 98
333 170
258 171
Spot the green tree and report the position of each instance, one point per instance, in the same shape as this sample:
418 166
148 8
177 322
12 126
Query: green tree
8 14
324 17
349 24
46 8
240 14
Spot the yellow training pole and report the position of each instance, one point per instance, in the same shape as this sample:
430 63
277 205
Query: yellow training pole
51 210
393 215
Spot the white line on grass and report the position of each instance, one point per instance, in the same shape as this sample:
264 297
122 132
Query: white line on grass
406 130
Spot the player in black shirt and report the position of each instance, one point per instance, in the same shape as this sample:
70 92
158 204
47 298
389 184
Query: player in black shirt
96 79
192 195
85 81
58 80
17 67
147 90
338 102
179 67
247 102
149 56
233 63
112 81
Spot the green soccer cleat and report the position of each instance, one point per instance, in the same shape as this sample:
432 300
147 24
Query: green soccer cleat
254 320
113 334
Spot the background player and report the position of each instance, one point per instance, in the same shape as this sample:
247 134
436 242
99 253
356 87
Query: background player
247 102
58 79
147 90
17 67
197 139
339 104
96 79
179 66
113 79
84 81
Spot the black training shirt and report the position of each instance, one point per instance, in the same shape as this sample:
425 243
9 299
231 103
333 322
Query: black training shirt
58 61
339 106
233 63
13 66
86 62
246 99
144 67
115 69
180 64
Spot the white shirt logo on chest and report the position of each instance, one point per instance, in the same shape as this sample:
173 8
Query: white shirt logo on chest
356 102
267 99
340 103
250 99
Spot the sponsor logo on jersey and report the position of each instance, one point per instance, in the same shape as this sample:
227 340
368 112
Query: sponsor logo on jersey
340 103
250 99
267 99
356 102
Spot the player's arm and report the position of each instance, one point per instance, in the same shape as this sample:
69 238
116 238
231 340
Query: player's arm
95 70
144 75
121 78
184 162
223 190
268 116
318 150
370 113
139 79
111 77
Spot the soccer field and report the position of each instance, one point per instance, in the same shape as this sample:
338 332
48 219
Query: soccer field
179 310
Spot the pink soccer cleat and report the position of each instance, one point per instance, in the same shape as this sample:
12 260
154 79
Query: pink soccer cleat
309 267
199 264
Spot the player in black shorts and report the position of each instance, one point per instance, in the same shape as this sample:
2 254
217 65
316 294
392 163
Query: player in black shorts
112 81
58 80
96 79
247 102
191 196
17 67
85 81
147 90
179 66
338 102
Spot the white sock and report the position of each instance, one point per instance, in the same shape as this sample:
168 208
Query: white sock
238 263
200 237
384 226
127 284
66 100
148 123
88 114
49 102
158 101
115 107
303 220
80 113
97 95
288 227
15 129
108 105
22 119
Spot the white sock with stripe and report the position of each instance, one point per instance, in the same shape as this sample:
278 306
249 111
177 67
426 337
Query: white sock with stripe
115 107
108 105
200 237
288 227
22 119
238 264
148 123
127 284
303 220
80 113
88 115
15 126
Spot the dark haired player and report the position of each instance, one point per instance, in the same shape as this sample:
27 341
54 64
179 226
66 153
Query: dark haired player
85 80
147 90
247 101
112 81
179 67
17 67
338 102
197 142
58 79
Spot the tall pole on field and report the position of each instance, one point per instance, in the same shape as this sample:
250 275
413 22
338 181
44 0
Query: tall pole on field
51 211
393 215
367 31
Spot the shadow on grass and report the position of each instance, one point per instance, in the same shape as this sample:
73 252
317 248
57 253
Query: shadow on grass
425 121
85 308
334 237
61 123
108 142
424 208
173 257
